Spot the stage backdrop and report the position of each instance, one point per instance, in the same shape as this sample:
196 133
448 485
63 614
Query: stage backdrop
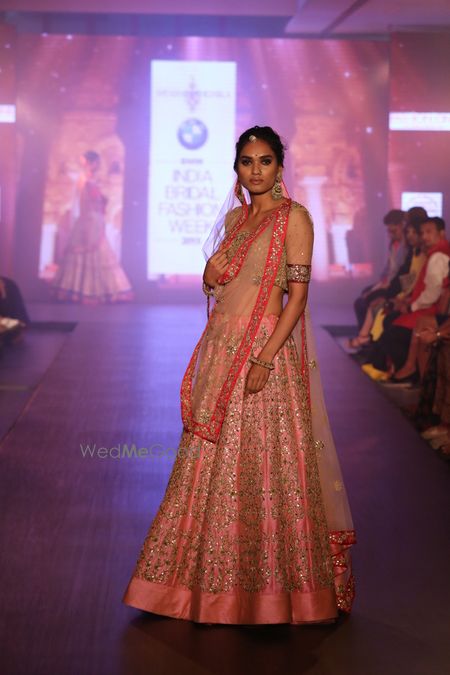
164 116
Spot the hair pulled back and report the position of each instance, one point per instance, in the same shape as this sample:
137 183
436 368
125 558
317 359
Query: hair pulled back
266 134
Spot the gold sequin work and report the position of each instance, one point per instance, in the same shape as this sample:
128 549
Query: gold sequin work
286 271
281 276
298 273
246 512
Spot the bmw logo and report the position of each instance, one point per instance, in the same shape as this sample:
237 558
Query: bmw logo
192 134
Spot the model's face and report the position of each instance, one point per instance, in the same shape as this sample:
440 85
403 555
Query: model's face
412 237
257 167
430 235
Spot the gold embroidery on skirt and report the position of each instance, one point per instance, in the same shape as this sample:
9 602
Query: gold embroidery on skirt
249 480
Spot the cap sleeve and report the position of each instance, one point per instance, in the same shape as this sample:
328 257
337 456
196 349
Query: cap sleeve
299 244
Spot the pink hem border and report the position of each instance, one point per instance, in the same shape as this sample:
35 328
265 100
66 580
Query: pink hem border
237 607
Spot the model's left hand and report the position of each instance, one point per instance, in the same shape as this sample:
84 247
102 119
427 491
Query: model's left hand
256 379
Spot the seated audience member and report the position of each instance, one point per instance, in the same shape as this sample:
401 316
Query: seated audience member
394 221
416 215
390 351
432 416
11 301
13 314
423 334
400 286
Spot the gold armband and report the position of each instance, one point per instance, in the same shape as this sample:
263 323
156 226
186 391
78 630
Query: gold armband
298 272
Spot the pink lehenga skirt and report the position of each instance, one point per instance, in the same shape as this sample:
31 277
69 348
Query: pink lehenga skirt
241 535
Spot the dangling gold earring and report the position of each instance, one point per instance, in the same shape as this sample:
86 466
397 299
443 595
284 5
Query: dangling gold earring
277 191
238 192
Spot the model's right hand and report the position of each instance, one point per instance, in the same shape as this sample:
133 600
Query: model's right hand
215 267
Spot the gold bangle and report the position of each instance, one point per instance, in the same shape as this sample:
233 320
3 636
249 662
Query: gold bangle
207 290
259 362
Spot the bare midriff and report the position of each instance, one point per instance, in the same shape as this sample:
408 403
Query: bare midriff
274 304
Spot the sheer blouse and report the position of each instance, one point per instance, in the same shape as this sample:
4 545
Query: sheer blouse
295 262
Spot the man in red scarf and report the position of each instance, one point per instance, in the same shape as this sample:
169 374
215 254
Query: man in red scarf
433 275
392 347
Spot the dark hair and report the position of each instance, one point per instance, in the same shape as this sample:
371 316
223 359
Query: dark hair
394 217
439 222
266 134
416 215
91 156
416 212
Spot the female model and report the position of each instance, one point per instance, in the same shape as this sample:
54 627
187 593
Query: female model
254 527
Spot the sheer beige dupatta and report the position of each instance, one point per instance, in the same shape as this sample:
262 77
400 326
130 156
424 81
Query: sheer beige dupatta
227 341
299 249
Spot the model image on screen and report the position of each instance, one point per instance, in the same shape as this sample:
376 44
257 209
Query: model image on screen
89 271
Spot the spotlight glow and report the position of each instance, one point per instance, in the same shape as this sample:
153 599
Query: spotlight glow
7 113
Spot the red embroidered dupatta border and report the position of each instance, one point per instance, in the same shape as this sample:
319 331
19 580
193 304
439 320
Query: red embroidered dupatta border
210 431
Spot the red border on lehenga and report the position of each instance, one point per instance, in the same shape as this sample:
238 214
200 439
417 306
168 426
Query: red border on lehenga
340 542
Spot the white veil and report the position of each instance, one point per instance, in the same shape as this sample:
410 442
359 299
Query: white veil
217 231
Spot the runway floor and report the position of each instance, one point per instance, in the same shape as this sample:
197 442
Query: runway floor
72 522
